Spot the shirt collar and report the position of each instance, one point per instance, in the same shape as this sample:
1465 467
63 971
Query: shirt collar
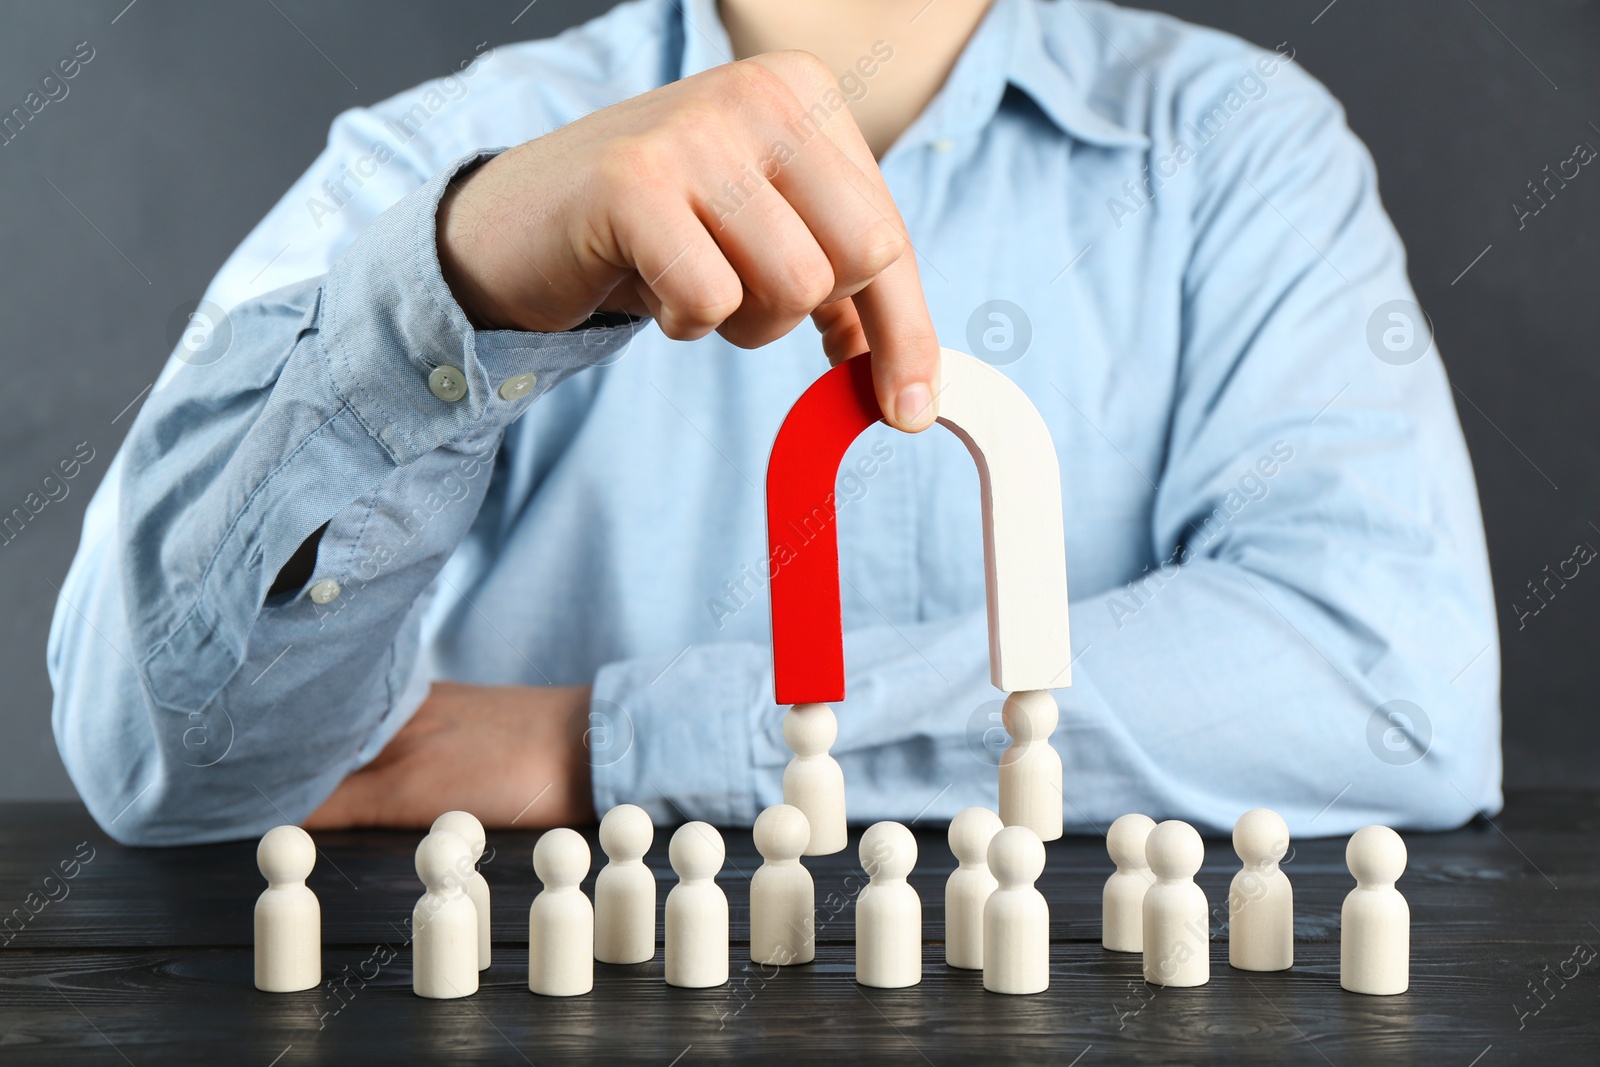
1007 48
1054 80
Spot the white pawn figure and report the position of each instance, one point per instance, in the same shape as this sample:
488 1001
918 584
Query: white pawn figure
1122 901
888 911
1260 898
466 826
1375 923
288 917
813 780
782 896
1177 937
625 891
561 919
1030 770
1016 920
968 887
697 909
444 924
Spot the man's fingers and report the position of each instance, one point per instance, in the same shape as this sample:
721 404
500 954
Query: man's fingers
839 208
844 337
625 297
840 326
800 220
849 213
785 274
686 281
892 310
905 349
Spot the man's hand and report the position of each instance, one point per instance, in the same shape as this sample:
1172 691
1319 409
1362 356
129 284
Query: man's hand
713 203
511 755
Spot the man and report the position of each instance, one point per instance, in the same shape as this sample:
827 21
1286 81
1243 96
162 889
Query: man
468 514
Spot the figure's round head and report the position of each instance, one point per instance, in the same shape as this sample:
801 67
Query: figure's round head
466 826
810 729
443 859
696 851
1030 715
1375 855
561 858
970 834
1016 856
1174 850
285 854
782 832
1126 839
888 850
626 832
1261 836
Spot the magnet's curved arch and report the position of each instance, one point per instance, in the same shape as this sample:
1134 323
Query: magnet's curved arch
1023 531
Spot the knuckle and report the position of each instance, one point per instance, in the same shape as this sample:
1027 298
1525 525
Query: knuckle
807 67
779 80
746 79
872 252
808 285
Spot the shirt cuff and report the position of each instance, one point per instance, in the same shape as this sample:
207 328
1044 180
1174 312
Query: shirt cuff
401 352
675 735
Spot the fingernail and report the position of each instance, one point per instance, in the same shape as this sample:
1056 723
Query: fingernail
913 407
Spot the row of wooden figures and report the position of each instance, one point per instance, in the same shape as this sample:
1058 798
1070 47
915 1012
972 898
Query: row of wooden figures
996 921
1151 904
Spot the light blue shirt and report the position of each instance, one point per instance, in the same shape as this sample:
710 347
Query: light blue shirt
1280 591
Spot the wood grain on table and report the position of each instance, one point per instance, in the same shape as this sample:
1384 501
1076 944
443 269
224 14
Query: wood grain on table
143 956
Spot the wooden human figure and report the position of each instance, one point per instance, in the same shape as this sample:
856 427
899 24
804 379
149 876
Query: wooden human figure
444 924
466 826
782 896
561 919
1375 922
697 909
1177 937
625 890
1260 898
1016 919
967 889
1030 769
288 919
888 910
1122 901
813 780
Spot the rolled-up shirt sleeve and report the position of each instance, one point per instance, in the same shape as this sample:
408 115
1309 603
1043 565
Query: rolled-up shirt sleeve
189 705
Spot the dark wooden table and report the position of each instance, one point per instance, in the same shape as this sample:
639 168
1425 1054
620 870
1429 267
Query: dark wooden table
144 957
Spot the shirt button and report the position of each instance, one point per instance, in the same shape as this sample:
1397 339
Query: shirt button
325 592
517 387
943 144
448 383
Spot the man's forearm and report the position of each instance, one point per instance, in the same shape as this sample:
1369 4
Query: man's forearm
337 405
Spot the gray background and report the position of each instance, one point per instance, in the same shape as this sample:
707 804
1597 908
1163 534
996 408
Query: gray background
193 117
